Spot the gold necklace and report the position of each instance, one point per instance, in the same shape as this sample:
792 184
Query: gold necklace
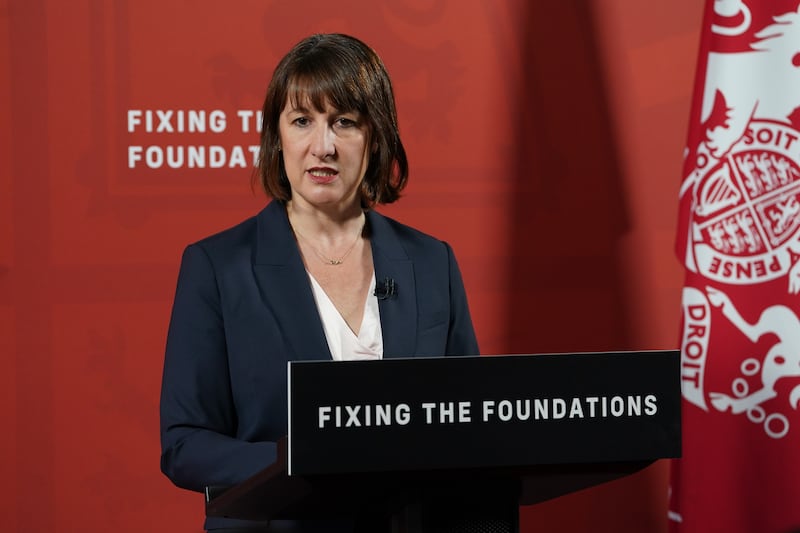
328 260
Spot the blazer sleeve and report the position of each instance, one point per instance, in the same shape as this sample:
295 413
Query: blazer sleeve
198 418
461 339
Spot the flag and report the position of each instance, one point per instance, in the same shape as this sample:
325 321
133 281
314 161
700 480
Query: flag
739 239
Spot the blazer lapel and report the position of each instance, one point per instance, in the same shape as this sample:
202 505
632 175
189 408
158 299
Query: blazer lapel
285 287
398 311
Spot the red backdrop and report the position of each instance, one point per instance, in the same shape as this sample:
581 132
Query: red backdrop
545 141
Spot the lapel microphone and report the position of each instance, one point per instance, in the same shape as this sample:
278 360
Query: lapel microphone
385 289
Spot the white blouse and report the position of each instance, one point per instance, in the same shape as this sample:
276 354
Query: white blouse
342 342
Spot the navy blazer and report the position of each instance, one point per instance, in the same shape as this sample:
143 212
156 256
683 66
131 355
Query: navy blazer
244 307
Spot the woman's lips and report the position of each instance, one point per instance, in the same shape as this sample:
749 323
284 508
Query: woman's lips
322 176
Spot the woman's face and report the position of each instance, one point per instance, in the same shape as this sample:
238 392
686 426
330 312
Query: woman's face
325 154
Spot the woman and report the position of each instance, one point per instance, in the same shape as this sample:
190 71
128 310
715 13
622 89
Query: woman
317 274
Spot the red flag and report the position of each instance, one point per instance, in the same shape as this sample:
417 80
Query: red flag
739 238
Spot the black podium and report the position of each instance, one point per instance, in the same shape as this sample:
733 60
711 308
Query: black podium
457 444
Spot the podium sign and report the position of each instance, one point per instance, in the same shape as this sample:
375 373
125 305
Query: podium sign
415 414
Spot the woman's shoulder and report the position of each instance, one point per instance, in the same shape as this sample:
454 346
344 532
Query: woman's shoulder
230 237
242 233
409 237
265 231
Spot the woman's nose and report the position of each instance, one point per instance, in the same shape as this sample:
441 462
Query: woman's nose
322 142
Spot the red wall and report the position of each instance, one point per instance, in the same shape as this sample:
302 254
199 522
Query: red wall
545 141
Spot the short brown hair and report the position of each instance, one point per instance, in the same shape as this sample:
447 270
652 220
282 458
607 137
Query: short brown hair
346 73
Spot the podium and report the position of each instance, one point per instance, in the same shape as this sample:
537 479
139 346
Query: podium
452 444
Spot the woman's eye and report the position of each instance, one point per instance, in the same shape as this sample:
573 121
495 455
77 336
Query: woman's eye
345 122
301 121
